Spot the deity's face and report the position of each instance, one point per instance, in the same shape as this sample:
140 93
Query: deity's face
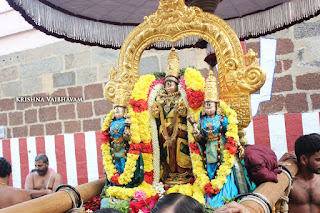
170 86
118 112
210 108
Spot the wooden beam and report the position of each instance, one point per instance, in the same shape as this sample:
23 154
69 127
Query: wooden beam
272 191
59 201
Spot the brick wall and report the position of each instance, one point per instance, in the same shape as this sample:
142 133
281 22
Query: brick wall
66 69
296 87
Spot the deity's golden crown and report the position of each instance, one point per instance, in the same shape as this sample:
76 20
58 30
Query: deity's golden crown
211 91
120 99
173 67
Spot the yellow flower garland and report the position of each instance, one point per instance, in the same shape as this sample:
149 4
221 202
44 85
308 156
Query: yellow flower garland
109 167
140 130
228 159
195 81
127 193
141 88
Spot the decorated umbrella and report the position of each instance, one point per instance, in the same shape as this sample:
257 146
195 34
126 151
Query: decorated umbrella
107 23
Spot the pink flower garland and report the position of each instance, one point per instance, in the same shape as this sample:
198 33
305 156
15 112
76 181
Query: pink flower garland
183 83
156 82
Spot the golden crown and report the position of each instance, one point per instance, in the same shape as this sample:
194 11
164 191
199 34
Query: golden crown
121 98
173 67
211 92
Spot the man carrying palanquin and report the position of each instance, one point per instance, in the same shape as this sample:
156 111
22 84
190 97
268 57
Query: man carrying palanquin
170 112
305 193
8 195
42 181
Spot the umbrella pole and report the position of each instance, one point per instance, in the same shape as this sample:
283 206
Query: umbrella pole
59 201
272 191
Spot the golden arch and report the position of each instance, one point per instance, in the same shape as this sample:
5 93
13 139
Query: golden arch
174 21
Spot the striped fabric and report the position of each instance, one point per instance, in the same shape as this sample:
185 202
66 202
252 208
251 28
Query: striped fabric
281 131
77 157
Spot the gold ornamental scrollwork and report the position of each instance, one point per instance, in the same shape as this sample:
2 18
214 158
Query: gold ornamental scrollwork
110 90
174 21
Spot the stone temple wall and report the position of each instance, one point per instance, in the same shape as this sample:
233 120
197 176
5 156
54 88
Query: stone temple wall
296 87
65 69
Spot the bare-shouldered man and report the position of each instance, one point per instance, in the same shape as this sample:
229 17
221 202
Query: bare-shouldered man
8 195
305 192
42 181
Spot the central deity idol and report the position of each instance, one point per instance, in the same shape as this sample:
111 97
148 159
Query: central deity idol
170 112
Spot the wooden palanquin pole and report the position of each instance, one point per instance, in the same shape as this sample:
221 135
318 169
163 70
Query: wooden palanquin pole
59 201
272 191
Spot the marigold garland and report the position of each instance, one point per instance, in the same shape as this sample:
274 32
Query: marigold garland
194 84
215 185
140 141
112 173
193 80
141 88
128 193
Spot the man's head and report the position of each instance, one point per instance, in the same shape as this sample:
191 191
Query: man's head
307 149
41 164
5 167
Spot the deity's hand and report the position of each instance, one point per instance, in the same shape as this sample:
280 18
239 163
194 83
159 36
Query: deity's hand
196 134
126 134
155 111
182 110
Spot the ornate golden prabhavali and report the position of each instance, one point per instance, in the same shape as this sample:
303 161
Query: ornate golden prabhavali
174 21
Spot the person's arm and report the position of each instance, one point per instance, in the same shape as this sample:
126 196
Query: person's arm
57 182
29 187
25 196
232 207
288 156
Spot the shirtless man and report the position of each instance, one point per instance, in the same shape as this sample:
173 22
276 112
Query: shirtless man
305 193
8 195
42 181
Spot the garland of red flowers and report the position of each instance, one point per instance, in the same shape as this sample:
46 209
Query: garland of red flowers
195 98
93 204
139 105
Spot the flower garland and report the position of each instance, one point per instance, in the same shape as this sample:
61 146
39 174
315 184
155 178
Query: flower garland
140 142
93 204
132 157
141 203
215 185
154 132
192 82
194 85
128 193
